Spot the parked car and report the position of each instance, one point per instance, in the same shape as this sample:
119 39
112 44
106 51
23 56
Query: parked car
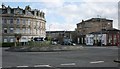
54 43
68 43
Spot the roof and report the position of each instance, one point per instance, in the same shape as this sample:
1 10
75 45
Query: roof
98 19
27 9
95 19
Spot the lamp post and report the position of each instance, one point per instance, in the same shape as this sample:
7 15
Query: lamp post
101 32
49 31
64 37
101 27
50 26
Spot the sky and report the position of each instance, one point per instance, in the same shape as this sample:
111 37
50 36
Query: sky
63 15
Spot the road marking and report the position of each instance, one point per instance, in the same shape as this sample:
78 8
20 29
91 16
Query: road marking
68 64
22 66
97 62
42 66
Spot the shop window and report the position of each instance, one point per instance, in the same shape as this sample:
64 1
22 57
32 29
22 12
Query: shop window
11 40
5 40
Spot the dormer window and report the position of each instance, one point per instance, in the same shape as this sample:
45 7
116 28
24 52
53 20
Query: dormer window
28 8
8 10
18 11
28 12
35 12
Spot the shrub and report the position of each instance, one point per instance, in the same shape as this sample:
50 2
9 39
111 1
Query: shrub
0 44
39 43
8 44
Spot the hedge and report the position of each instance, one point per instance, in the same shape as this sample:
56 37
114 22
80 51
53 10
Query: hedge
30 43
38 43
7 44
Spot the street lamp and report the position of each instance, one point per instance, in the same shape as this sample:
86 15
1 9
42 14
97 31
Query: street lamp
49 31
50 26
101 28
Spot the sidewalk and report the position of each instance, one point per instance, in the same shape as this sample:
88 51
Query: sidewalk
110 47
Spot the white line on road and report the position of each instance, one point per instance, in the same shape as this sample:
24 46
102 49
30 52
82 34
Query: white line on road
97 62
42 66
22 66
68 64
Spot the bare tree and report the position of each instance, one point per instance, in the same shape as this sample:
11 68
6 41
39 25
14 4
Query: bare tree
17 36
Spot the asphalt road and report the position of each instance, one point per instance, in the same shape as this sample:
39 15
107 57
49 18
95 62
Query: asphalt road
86 57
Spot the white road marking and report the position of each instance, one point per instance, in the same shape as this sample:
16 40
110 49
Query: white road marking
22 66
68 64
97 62
42 66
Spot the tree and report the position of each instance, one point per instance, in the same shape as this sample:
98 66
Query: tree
17 36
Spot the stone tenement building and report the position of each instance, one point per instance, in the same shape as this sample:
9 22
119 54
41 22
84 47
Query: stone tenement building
27 22
93 25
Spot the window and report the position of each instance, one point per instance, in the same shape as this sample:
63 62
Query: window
29 31
4 21
38 23
5 30
11 20
17 30
24 21
24 31
28 13
28 22
9 10
18 11
5 40
11 40
11 30
34 23
110 39
18 20
115 39
4 11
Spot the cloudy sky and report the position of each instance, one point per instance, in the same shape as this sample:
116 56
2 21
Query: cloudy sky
65 14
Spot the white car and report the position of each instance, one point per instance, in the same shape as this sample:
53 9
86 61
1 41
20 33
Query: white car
54 42
73 44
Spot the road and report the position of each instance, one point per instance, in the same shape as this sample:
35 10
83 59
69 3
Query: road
86 57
